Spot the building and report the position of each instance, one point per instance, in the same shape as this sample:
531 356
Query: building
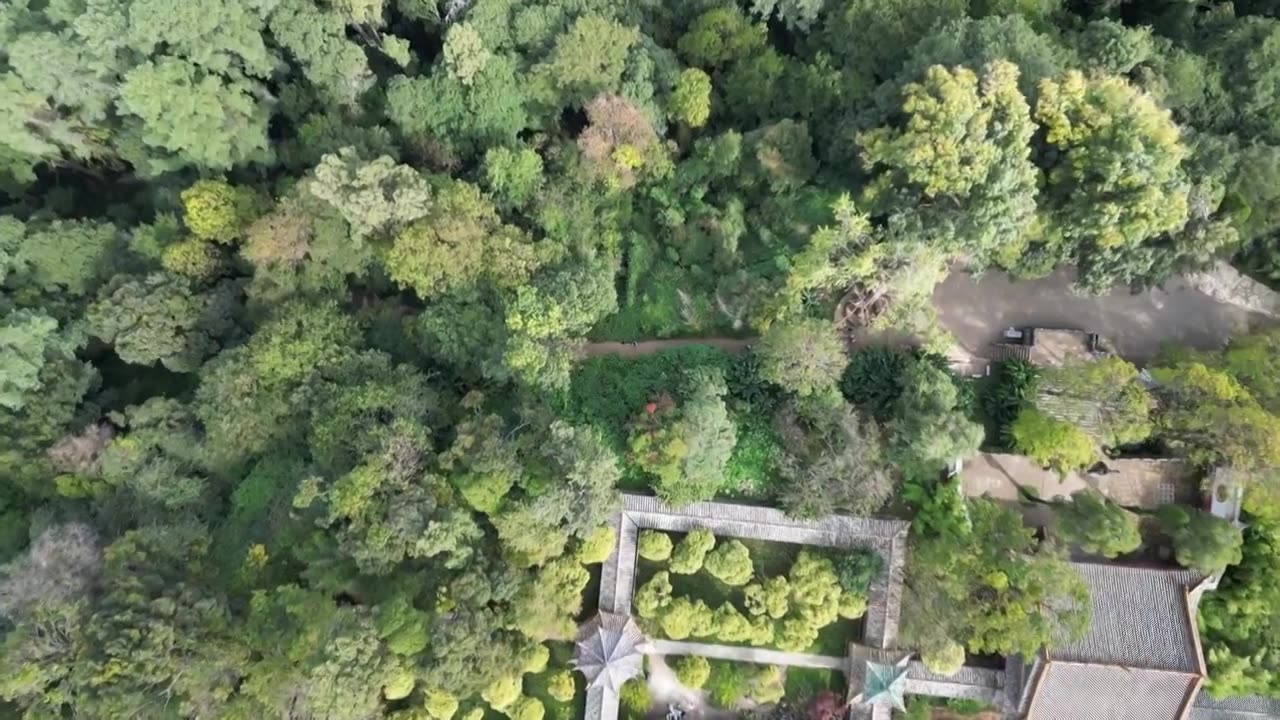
1139 658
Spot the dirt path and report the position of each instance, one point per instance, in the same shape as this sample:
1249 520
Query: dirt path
976 310
647 347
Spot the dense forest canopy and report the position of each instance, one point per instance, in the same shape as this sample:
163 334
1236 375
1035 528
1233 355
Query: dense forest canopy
293 415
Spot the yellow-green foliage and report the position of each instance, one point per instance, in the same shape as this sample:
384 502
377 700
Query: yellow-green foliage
653 596
399 684
1052 443
692 671
561 686
535 659
193 258
597 546
771 597
689 555
214 210
730 563
526 708
440 705
654 545
502 693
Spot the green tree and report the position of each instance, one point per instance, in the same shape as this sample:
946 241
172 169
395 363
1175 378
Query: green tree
721 35
587 59
691 98
160 318
460 240
805 357
833 461
1118 404
929 431
1201 541
1116 184
691 552
1207 415
1096 525
377 198
730 563
1052 443
214 210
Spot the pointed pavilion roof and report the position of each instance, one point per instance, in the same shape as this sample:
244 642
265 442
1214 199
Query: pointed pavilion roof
609 650
884 684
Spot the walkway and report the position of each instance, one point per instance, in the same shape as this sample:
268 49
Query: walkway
977 310
737 653
648 347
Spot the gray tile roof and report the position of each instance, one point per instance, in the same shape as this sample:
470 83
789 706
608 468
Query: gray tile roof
1071 691
1249 707
1139 619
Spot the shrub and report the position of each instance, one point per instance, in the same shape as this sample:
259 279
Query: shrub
598 546
561 686
634 695
692 671
653 596
727 684
502 693
526 708
771 597
730 563
1052 443
536 658
685 617
732 626
856 569
440 705
399 684
689 555
945 659
767 686
214 210
654 545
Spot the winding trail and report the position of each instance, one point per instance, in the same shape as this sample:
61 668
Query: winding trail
648 347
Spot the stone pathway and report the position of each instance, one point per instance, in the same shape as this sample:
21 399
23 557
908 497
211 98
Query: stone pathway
977 309
759 656
648 347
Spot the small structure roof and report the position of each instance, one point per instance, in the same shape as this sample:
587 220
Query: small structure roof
885 684
1248 707
609 651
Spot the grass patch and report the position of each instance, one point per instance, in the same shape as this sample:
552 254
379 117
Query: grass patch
805 683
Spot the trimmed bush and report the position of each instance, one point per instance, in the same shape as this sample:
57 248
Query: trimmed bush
502 693
692 671
654 545
598 546
771 597
561 686
730 563
634 695
654 596
727 684
526 708
440 705
945 659
688 556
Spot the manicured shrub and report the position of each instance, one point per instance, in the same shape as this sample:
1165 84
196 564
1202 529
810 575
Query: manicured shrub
536 658
684 618
654 545
526 708
598 546
692 671
634 695
561 686
772 597
945 659
502 693
653 596
730 563
727 684
767 685
440 705
688 556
